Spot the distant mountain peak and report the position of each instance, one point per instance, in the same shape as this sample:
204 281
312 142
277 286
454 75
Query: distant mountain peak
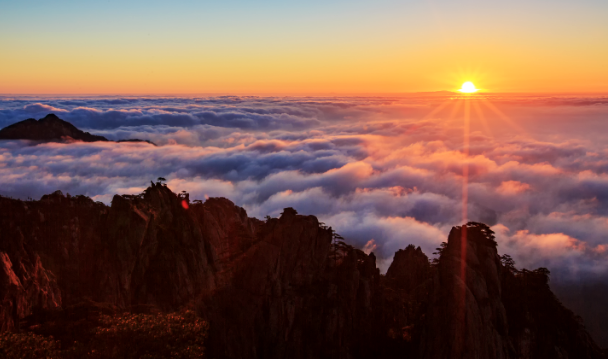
51 116
51 128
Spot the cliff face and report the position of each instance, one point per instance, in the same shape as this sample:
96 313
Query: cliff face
481 306
266 286
281 288
539 325
467 318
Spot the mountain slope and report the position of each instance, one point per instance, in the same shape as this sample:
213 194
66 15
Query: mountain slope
286 287
52 128
48 128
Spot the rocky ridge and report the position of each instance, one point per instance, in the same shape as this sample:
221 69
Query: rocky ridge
285 287
51 128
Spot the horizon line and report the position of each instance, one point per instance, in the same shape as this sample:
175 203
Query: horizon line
312 94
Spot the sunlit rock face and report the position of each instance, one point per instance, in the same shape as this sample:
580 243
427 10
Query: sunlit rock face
284 287
25 285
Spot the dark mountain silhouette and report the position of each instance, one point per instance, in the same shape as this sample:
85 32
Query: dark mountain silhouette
50 128
284 287
587 298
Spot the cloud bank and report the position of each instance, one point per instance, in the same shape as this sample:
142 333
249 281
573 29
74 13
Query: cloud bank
383 172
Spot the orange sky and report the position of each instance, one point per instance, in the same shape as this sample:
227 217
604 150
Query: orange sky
313 48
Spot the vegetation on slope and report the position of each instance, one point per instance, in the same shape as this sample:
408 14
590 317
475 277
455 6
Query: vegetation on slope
85 332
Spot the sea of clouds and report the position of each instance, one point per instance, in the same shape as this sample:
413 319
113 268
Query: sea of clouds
382 171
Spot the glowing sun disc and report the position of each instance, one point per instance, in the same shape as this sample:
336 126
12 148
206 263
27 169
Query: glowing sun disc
468 87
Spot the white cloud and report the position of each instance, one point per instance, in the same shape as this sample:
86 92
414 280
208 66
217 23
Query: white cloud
369 167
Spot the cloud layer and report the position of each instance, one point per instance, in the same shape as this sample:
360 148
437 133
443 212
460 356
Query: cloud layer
383 169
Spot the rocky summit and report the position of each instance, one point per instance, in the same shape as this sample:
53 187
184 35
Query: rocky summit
51 128
287 287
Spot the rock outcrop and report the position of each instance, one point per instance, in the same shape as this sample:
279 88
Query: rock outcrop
481 306
285 287
51 128
466 316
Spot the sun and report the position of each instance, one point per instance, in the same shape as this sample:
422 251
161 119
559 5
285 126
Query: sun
468 87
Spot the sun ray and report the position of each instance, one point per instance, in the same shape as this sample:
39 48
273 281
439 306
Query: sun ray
482 119
465 195
504 117
429 115
465 151
455 109
437 110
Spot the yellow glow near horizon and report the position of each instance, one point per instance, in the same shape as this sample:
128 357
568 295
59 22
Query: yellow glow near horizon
270 48
468 87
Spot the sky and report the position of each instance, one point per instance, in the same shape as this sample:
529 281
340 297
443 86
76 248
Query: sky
325 106
302 47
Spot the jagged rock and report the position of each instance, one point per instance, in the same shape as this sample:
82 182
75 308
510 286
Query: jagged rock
539 325
409 269
25 285
286 287
480 308
466 318
401 305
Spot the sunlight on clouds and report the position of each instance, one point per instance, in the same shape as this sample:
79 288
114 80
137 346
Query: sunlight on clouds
512 187
376 168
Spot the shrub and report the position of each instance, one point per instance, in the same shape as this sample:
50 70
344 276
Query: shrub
27 346
147 336
176 335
